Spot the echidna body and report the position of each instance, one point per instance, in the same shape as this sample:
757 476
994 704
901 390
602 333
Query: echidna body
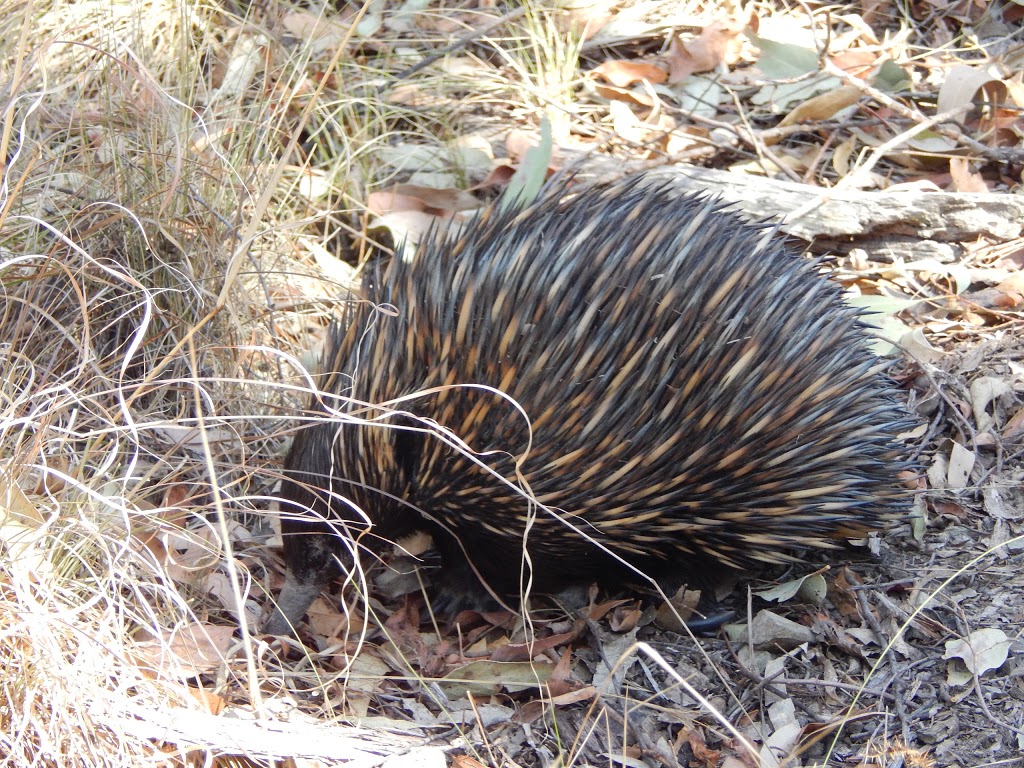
636 375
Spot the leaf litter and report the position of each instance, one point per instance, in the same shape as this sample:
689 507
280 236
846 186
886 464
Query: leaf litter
910 653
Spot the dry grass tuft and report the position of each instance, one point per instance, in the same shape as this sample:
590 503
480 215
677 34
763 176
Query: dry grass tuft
149 215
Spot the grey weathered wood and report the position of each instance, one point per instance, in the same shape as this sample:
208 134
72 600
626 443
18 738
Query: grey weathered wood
910 225
941 216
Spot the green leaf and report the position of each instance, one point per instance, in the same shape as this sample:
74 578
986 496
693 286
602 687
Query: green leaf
529 178
782 61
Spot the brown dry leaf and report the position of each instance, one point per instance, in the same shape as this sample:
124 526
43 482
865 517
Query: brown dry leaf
518 143
366 672
823 106
406 225
599 611
613 94
1005 297
440 199
858 62
498 177
191 555
562 680
1006 124
704 754
967 12
841 593
526 651
717 43
1015 86
1014 425
202 646
951 510
454 23
873 10
586 17
15 504
586 693
501 619
624 74
403 198
52 480
174 497
325 620
965 180
683 604
531 711
198 648
625 619
321 34
403 625
211 702
411 95
150 541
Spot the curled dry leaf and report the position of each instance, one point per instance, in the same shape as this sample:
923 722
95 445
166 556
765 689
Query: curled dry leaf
682 605
640 96
1012 290
964 85
984 391
623 74
718 43
465 761
499 176
625 618
599 611
959 94
964 179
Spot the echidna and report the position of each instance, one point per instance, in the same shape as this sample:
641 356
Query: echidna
624 375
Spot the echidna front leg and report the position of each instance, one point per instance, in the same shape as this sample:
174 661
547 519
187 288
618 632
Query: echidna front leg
311 556
292 603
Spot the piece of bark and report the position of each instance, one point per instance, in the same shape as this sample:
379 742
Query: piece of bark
910 225
942 216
